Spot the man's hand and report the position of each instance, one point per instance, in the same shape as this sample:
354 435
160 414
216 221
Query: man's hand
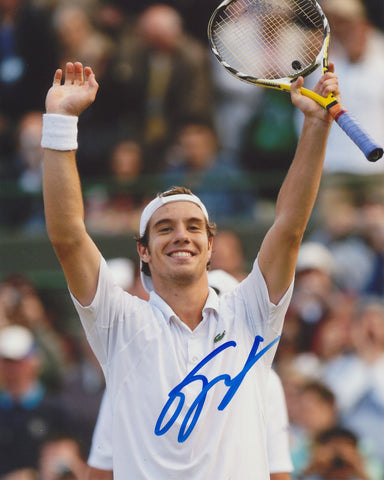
76 93
328 83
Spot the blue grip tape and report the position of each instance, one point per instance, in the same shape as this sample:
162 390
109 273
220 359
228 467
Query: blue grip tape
370 149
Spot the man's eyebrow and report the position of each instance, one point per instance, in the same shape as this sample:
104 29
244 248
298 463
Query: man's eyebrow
196 220
161 222
165 221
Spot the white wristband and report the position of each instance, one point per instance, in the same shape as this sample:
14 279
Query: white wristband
59 132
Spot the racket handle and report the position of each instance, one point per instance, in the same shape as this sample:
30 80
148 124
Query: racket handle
345 120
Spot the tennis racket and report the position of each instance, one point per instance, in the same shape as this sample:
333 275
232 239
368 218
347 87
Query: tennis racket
271 43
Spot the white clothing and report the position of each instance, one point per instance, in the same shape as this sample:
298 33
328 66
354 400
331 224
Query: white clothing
235 103
100 455
359 390
277 432
362 94
150 357
277 427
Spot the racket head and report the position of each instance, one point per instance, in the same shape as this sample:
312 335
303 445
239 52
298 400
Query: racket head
269 42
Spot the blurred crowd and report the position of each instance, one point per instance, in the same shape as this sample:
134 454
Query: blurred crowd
168 114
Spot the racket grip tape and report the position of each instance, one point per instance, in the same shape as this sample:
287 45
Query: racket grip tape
345 120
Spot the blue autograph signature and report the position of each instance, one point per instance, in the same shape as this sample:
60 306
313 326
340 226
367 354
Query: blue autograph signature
195 409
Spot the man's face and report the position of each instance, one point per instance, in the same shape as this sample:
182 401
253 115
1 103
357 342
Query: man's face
18 375
339 459
178 249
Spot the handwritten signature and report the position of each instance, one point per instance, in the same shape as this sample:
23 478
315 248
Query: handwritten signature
195 409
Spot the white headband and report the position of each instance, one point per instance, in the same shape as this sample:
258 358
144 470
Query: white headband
158 202
151 208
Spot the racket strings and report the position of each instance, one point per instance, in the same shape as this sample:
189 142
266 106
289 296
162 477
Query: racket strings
268 39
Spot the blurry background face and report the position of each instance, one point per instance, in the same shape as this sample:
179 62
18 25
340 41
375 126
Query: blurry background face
369 327
29 140
126 160
349 25
340 457
333 337
9 5
228 255
316 414
198 144
18 375
72 25
161 28
61 459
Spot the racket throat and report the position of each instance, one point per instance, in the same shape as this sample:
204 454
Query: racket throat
336 110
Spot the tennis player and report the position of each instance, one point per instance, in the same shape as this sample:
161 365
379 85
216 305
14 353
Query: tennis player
100 460
186 371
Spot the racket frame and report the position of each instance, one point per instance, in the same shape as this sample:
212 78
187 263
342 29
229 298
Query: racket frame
330 103
285 82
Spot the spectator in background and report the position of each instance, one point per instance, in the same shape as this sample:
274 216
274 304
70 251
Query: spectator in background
195 159
195 14
375 9
317 411
23 474
335 456
81 388
25 32
113 206
333 336
112 18
344 229
79 37
22 304
235 103
314 292
267 151
28 414
372 232
26 210
163 77
356 47
228 254
62 457
317 323
357 379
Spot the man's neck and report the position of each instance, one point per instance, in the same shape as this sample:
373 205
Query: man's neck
187 302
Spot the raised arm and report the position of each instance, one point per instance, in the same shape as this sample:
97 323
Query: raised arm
63 202
279 250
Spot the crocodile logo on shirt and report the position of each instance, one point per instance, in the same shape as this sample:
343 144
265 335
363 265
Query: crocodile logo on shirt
219 337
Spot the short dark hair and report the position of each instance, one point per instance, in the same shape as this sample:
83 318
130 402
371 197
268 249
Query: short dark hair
336 432
144 239
321 390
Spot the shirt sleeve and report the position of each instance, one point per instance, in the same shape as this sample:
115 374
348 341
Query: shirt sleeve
263 316
113 318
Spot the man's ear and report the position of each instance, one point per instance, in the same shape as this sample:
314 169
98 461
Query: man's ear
143 252
210 244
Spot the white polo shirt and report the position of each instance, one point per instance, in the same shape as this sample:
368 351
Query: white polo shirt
100 454
279 455
278 449
186 404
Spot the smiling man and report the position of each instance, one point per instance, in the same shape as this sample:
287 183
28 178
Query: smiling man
186 371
